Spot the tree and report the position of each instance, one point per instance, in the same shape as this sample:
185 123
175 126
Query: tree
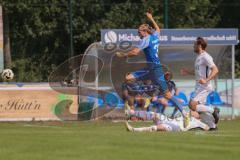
39 29
6 43
193 14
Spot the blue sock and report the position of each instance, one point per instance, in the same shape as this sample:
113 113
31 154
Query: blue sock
174 112
149 116
163 110
159 108
149 108
174 100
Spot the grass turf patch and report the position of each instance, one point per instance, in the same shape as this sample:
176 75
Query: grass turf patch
107 140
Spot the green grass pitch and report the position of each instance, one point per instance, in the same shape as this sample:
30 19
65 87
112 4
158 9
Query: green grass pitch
111 141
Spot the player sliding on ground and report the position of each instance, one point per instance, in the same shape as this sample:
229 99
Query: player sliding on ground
205 71
164 123
149 46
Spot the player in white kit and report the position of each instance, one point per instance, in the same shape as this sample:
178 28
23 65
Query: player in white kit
163 123
205 70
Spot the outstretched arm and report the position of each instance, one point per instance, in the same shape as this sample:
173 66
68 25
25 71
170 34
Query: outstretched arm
186 71
155 25
133 52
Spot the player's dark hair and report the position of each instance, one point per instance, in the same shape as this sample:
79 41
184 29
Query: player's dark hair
168 73
201 41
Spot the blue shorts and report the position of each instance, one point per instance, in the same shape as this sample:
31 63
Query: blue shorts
154 74
142 74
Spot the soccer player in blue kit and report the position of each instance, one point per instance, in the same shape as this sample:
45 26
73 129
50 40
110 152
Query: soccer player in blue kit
149 46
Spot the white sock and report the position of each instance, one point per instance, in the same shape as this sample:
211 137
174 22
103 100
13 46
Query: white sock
203 108
145 129
184 113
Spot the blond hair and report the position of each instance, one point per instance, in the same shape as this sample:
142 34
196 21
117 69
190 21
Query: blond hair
145 27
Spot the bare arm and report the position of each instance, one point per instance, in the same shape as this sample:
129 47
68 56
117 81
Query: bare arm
213 73
155 25
185 72
136 51
211 76
133 52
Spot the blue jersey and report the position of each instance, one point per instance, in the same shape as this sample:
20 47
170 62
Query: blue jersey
149 45
139 88
133 88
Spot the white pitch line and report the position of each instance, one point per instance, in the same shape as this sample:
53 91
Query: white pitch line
31 125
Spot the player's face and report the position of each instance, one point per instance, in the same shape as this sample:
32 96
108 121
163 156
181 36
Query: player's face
196 47
167 77
141 33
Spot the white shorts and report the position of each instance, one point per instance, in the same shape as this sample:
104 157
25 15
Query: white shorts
195 123
171 127
200 95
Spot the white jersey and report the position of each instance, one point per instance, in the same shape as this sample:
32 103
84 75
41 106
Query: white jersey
196 123
193 123
203 64
177 124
